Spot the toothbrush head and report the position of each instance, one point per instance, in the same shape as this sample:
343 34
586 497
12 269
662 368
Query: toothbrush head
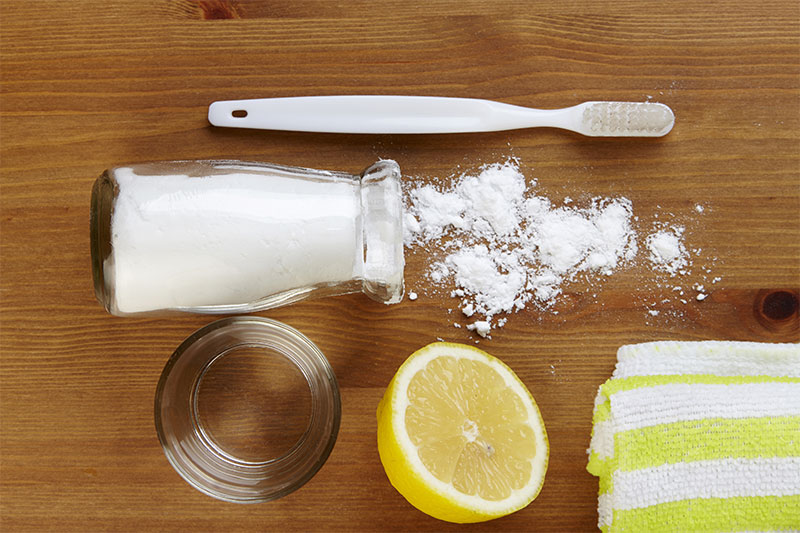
626 119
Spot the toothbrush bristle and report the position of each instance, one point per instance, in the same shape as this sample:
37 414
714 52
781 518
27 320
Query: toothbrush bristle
627 119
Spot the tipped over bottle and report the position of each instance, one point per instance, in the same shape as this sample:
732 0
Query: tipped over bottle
238 237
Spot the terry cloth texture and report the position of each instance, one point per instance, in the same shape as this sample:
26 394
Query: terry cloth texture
699 436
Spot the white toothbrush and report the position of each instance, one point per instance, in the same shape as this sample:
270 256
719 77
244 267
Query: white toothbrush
432 114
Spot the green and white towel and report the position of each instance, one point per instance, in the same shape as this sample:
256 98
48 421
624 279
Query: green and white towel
699 436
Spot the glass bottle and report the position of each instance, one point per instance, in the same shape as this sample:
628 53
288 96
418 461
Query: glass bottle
237 237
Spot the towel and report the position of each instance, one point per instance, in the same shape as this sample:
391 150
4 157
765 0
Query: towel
699 436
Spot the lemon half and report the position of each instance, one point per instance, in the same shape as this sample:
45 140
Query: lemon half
460 436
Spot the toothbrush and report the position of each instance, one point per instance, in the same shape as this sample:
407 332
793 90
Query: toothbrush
433 114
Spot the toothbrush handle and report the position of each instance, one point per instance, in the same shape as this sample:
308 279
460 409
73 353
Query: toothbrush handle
376 114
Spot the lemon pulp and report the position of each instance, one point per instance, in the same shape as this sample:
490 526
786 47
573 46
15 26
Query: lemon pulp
470 430
460 436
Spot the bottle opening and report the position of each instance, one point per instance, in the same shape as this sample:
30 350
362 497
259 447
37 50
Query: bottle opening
382 211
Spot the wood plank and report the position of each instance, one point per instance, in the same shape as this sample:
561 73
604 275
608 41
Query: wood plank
86 85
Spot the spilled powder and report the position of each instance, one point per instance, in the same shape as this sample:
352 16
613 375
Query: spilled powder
503 247
667 251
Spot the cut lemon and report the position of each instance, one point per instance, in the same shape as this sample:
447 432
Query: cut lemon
460 436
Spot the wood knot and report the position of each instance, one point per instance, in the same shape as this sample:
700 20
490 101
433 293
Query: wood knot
218 9
203 9
777 310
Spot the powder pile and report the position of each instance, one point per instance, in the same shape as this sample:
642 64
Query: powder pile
667 251
504 247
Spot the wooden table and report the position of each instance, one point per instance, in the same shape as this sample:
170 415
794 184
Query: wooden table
87 85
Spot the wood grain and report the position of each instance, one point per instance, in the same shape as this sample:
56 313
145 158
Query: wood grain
86 85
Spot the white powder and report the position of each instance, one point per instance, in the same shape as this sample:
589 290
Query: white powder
493 198
487 206
572 240
180 241
503 246
436 212
495 279
667 251
481 327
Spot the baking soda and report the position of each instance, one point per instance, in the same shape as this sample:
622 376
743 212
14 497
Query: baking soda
179 241
667 251
504 247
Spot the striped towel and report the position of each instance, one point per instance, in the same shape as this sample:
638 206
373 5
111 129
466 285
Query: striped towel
699 436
